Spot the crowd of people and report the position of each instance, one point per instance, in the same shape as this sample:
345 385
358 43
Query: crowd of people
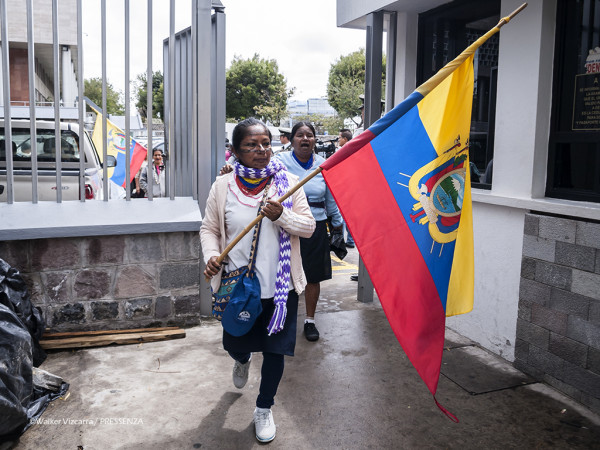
291 254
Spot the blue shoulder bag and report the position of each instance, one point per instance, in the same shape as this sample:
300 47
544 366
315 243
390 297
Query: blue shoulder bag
237 301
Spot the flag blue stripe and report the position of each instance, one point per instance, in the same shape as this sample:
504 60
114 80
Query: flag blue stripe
118 175
401 149
396 113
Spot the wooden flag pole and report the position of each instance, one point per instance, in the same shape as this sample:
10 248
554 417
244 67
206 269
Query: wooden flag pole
258 218
504 20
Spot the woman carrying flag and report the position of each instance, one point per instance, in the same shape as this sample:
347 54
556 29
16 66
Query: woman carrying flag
233 202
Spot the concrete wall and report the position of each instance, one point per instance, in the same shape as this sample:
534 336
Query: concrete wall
350 13
558 329
406 59
498 240
68 82
42 19
525 70
524 74
350 10
111 282
45 90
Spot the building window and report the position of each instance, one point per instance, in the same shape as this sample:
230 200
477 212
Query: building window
444 33
574 144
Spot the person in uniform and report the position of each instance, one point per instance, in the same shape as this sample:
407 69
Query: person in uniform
284 138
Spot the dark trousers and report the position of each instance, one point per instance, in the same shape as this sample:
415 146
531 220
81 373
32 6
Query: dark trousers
270 373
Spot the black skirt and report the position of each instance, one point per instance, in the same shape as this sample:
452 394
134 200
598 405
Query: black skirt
258 339
316 257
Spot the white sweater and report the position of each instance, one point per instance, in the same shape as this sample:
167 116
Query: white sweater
298 222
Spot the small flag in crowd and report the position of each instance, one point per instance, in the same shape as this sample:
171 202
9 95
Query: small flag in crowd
116 146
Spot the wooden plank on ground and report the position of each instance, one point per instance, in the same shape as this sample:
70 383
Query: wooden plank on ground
68 334
126 338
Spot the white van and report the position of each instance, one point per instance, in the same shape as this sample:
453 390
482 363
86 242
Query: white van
71 151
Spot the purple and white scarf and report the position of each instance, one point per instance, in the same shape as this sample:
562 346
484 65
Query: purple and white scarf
282 282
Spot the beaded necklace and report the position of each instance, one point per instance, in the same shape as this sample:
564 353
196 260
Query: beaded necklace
156 174
251 186
275 169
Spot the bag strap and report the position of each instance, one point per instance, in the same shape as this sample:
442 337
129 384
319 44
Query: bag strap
254 245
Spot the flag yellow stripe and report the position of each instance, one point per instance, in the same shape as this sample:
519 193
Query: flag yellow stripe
449 109
446 115
461 285
97 140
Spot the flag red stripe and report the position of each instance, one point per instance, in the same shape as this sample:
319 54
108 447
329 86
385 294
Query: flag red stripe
401 278
137 159
347 150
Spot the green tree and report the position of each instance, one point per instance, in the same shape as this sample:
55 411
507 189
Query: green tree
92 89
158 94
346 82
275 107
255 87
333 125
323 124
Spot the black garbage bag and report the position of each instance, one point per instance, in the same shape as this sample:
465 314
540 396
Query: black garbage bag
16 372
337 244
15 296
21 327
21 403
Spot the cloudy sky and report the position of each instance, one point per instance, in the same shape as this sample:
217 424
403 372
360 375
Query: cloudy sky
301 36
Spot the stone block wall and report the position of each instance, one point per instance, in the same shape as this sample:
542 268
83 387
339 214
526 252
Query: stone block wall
558 327
111 282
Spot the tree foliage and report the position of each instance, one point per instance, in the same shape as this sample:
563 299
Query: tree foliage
347 82
275 107
158 94
92 89
323 124
254 87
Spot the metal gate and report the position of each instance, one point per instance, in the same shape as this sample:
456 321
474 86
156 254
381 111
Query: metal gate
194 74
179 88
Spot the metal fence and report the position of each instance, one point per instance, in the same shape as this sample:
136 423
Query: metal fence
194 60
178 117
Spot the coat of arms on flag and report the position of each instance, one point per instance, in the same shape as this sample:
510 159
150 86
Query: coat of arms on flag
439 190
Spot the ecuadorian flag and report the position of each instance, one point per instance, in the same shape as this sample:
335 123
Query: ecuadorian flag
403 187
116 143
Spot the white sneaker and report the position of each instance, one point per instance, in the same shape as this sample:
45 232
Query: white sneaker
264 425
240 373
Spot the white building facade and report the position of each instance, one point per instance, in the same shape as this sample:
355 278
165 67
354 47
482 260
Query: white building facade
311 106
536 115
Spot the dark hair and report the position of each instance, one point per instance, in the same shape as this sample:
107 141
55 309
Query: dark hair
346 133
303 124
241 130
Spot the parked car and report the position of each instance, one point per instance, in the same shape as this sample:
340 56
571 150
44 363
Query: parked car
45 146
